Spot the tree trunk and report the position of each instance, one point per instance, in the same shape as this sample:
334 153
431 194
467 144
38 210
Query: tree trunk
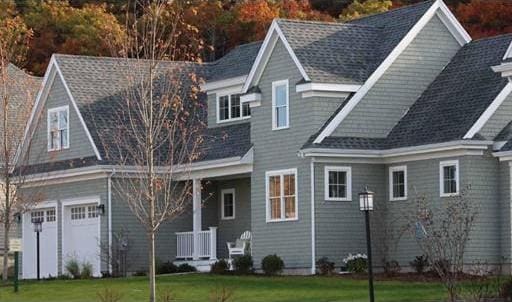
5 274
152 273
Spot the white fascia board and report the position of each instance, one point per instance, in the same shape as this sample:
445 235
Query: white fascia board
384 66
327 94
226 83
250 97
505 69
508 54
453 25
327 87
273 34
488 113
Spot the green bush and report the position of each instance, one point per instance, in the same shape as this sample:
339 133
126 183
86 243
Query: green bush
73 268
243 264
219 267
420 264
186 268
166 268
272 265
356 263
86 272
325 266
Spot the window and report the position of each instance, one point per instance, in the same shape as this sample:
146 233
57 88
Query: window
92 211
281 194
58 128
228 204
338 183
37 216
280 105
50 215
231 109
449 178
398 183
77 213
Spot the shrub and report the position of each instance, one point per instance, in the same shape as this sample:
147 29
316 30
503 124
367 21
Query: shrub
186 268
506 290
109 295
420 264
166 268
442 266
325 266
356 263
86 272
73 268
392 268
219 267
272 264
243 264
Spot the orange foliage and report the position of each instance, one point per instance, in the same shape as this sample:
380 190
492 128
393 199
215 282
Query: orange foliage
484 18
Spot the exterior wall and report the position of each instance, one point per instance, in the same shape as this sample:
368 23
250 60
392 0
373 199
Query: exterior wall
230 230
402 84
79 144
75 190
340 225
498 120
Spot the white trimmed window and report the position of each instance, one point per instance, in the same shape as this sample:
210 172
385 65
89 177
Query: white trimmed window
229 108
228 204
398 183
280 105
449 178
281 193
58 128
338 183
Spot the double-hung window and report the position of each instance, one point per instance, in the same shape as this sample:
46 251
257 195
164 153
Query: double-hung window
280 105
281 195
338 183
228 204
58 128
229 108
449 178
398 183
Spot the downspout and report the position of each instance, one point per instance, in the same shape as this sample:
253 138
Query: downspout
313 235
109 204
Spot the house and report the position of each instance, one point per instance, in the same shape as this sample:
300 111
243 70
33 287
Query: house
400 102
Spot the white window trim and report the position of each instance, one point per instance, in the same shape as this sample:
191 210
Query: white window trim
227 191
268 174
50 111
230 119
441 177
397 169
348 170
274 117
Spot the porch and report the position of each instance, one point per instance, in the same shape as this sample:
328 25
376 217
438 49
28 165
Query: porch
220 214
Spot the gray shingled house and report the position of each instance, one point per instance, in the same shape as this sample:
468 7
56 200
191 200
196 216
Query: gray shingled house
402 101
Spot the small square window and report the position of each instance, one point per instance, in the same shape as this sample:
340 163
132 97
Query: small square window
78 213
50 215
449 178
398 183
337 182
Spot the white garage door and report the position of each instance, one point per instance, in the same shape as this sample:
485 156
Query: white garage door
47 244
80 233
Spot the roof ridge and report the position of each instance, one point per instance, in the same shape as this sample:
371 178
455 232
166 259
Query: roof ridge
326 23
394 10
491 38
120 58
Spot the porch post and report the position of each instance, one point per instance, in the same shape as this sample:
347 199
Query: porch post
213 243
196 206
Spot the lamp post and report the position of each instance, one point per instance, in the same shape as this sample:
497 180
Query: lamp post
38 228
366 205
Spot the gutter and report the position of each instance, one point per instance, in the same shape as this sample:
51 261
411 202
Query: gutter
313 230
109 205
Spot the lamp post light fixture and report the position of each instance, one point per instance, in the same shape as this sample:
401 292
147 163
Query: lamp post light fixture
38 228
366 205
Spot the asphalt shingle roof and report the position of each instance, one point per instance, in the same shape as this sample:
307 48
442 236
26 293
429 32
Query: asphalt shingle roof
237 62
450 105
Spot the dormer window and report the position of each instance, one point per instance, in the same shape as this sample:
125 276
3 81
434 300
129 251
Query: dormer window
229 108
58 128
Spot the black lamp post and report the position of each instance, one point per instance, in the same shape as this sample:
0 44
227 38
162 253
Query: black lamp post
366 205
38 228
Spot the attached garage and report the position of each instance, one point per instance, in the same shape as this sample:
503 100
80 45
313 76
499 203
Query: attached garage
48 240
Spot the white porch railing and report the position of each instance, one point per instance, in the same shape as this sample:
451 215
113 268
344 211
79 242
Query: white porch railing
205 241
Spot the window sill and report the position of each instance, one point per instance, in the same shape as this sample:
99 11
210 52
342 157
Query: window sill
228 218
233 120
280 128
337 200
449 194
399 199
282 220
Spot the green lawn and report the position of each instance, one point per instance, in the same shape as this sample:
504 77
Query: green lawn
198 287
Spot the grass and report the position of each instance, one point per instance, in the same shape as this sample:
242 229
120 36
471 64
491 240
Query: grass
198 287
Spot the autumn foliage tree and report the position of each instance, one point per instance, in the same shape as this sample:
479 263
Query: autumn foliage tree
486 18
359 9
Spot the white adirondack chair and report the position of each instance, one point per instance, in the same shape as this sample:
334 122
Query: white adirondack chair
239 247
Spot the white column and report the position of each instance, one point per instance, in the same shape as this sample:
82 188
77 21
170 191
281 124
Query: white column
196 206
213 243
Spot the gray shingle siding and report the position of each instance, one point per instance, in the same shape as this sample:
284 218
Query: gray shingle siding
79 144
402 84
498 120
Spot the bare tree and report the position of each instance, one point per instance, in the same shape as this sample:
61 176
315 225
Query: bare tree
17 95
157 119
443 234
